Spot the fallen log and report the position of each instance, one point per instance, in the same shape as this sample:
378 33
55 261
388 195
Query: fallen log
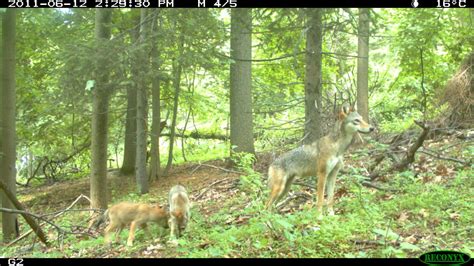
410 154
197 135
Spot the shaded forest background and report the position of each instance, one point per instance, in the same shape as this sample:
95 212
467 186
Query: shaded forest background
143 94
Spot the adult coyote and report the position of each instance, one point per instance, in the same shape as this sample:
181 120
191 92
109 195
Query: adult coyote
322 158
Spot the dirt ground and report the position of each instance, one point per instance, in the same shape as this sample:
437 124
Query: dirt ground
199 179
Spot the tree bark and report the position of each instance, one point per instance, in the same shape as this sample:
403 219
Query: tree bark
142 109
313 76
8 126
130 145
241 118
130 151
156 106
177 89
100 106
363 64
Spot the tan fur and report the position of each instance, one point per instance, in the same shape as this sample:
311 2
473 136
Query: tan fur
322 158
179 211
135 215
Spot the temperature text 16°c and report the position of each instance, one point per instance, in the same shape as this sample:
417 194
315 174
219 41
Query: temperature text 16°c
451 3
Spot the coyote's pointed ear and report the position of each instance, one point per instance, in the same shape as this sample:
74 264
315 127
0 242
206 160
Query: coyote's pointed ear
354 107
345 110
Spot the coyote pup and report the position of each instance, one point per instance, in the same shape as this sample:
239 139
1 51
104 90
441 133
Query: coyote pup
322 158
179 211
133 214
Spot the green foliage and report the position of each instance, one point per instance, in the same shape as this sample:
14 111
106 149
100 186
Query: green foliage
250 182
54 73
370 223
60 42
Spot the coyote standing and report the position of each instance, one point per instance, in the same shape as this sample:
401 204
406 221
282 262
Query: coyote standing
322 158
133 214
179 211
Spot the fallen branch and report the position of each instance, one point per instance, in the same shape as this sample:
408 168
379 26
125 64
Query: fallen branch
61 231
410 154
367 242
438 156
197 135
32 223
366 184
209 187
82 196
29 215
371 185
216 167
56 214
296 195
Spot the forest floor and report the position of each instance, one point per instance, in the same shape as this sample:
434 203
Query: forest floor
427 207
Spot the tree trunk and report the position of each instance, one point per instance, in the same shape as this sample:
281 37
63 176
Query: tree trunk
155 91
313 76
241 120
130 145
363 64
100 106
8 126
130 150
142 109
177 88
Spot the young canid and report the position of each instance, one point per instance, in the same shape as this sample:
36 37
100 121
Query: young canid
322 158
133 214
179 211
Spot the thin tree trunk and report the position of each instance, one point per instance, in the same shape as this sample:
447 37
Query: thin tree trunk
142 109
100 106
177 89
183 144
363 64
8 126
241 118
313 76
156 106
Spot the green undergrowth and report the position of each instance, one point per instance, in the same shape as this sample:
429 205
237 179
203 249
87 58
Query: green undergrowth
412 218
420 218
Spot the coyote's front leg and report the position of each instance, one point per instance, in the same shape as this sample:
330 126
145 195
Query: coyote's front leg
330 185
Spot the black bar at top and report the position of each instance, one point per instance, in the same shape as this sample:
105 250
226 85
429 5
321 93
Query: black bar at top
233 3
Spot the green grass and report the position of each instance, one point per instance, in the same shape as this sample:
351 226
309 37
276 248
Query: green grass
369 226
419 217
